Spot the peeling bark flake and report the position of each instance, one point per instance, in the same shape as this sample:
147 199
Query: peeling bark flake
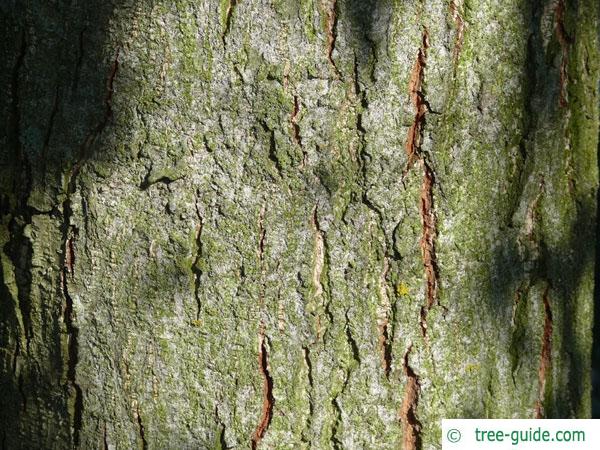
410 424
545 356
268 400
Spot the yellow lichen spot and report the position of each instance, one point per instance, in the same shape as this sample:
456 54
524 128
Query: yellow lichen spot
197 323
402 289
472 367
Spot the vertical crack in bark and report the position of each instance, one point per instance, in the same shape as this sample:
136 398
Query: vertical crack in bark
294 121
545 355
49 129
21 388
196 270
141 428
309 376
384 320
413 141
228 15
336 424
69 235
414 153
331 23
455 7
268 399
105 437
262 233
408 417
319 263
68 262
564 41
428 222
516 323
351 341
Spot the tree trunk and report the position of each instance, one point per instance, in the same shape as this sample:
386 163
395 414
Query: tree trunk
294 223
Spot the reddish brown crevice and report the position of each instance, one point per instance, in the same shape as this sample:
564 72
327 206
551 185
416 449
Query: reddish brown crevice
331 23
411 427
228 15
413 141
460 29
428 236
545 356
426 204
564 41
268 400
427 243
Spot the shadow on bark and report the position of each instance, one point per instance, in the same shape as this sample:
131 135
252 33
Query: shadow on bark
526 261
55 102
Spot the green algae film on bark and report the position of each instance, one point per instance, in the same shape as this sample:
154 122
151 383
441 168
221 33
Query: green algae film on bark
390 195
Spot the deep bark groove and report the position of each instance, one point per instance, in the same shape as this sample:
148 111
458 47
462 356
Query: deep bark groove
267 391
410 424
545 355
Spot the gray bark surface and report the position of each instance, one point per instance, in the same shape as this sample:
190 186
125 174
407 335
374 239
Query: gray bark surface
293 224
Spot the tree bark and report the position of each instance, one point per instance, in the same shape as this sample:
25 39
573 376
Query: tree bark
294 224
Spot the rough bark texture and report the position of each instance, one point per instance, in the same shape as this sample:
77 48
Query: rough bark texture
293 224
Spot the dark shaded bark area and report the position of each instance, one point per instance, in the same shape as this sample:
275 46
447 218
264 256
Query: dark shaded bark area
307 224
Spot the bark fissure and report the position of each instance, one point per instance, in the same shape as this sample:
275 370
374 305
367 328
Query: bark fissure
455 7
332 22
196 270
564 41
545 355
267 391
50 128
319 264
228 16
105 437
408 417
141 428
309 376
69 235
428 222
426 205
385 346
294 121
